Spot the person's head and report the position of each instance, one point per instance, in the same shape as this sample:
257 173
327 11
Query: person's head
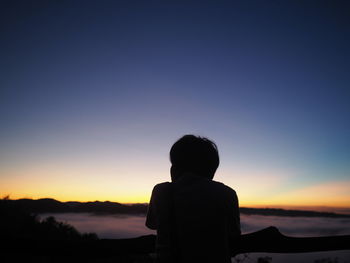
194 154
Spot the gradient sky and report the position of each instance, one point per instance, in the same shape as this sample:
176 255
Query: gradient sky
94 93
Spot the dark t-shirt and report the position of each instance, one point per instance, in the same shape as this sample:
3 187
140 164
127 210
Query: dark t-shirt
196 219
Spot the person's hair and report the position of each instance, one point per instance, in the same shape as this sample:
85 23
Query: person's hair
195 154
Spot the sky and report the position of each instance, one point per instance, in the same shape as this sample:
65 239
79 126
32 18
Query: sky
94 93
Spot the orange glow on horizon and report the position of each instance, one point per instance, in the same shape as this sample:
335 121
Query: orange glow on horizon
333 194
285 204
135 186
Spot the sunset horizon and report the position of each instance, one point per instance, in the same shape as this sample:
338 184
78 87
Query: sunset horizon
93 96
175 131
294 206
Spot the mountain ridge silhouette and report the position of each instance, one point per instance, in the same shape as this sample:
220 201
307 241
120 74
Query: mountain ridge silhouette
50 205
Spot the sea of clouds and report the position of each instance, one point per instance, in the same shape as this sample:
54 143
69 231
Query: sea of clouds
128 226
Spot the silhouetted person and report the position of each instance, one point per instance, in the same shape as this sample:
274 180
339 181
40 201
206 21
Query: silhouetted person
196 218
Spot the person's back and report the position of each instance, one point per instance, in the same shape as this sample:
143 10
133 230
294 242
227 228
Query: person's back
206 214
196 218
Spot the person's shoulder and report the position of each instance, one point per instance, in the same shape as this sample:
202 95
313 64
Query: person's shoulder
161 187
224 188
226 194
161 194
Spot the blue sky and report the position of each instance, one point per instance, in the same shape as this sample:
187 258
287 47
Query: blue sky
95 92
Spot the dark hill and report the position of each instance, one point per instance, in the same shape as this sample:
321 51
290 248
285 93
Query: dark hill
48 205
291 213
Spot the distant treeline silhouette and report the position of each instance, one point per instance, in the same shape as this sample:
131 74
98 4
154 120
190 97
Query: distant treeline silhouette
48 205
27 238
16 223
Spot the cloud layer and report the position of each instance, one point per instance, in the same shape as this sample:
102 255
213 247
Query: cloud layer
121 226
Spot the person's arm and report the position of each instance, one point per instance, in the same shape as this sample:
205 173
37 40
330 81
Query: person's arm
234 223
151 219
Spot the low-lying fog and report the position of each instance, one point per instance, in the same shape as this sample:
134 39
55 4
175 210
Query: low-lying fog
125 226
